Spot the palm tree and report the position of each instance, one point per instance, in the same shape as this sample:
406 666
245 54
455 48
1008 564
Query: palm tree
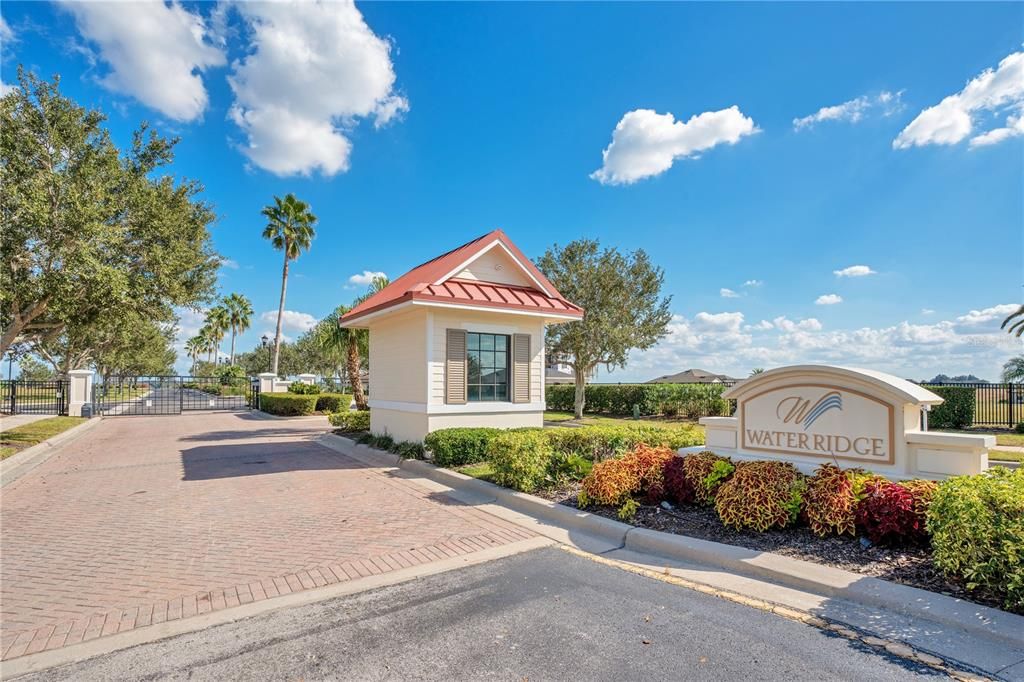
218 320
1017 328
208 342
194 347
757 370
290 229
1013 370
239 315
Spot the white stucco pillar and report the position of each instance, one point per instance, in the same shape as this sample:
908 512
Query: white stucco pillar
307 378
79 391
267 382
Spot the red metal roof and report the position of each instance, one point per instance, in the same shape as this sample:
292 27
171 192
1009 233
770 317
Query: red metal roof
420 284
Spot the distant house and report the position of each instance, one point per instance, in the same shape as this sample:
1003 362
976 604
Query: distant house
693 376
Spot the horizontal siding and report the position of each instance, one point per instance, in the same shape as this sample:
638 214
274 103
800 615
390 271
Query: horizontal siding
396 357
490 323
496 266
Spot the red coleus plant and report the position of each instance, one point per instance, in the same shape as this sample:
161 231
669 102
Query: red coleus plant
894 513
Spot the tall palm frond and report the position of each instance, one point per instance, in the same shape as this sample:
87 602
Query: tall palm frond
1017 328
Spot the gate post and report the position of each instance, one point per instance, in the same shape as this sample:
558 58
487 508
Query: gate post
79 390
307 378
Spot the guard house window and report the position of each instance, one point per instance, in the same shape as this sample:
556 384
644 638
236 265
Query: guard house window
487 359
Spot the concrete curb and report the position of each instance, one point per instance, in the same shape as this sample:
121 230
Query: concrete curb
567 518
801 575
16 466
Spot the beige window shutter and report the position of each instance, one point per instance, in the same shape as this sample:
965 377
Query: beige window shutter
455 367
520 368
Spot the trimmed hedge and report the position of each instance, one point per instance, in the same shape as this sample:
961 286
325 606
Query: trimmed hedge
333 402
456 447
460 446
301 388
521 458
350 421
689 400
977 532
957 409
287 404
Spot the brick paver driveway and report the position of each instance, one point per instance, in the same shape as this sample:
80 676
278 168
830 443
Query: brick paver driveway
149 519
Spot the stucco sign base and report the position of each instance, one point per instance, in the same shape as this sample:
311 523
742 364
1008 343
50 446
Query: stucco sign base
810 414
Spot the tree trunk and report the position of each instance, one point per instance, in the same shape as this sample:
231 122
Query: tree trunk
353 372
232 344
280 310
581 393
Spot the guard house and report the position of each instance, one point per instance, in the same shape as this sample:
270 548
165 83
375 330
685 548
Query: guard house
459 341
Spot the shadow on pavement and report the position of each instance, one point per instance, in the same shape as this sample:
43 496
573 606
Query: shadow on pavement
203 463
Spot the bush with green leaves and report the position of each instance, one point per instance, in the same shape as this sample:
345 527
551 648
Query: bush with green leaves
350 421
977 532
957 408
287 404
231 375
761 495
598 443
1019 428
333 402
460 446
521 459
705 472
300 388
693 400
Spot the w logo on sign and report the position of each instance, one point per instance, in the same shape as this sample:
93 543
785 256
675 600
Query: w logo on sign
797 410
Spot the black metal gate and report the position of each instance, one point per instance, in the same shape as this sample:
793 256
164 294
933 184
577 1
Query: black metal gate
34 397
154 395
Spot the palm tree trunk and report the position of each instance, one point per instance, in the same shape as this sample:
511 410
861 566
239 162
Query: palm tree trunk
280 309
232 344
353 372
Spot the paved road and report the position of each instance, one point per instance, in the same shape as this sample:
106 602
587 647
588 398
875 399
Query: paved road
542 615
150 519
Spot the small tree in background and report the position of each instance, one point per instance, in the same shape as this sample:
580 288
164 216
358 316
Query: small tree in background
1013 370
239 316
621 297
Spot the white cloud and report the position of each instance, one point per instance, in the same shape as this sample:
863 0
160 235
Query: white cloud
6 36
365 278
954 118
646 143
722 343
828 299
1014 127
228 263
728 293
853 110
753 283
155 51
854 271
291 320
927 311
315 69
981 318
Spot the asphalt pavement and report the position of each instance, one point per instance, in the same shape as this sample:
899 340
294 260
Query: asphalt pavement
541 615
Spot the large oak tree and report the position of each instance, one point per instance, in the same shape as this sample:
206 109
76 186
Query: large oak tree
88 232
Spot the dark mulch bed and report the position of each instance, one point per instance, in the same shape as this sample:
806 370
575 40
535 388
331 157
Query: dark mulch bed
908 566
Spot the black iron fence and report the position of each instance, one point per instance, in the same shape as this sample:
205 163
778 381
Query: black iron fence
34 397
995 405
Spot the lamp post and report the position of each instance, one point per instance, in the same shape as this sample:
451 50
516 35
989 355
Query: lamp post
266 344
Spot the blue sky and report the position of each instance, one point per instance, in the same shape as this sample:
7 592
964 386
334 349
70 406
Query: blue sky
828 136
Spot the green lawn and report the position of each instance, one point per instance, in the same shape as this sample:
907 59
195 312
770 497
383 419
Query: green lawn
1005 456
595 420
482 471
16 440
1002 438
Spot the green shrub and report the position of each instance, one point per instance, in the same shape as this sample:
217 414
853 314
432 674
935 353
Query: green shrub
521 459
977 528
299 388
287 404
627 512
1019 428
598 443
694 400
333 402
231 375
408 450
460 446
956 410
761 495
569 468
350 421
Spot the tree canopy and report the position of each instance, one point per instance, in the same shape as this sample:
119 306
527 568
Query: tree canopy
91 238
621 297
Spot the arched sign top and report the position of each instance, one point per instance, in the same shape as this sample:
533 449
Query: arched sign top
879 383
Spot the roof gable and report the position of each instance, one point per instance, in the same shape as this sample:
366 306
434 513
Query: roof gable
520 287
